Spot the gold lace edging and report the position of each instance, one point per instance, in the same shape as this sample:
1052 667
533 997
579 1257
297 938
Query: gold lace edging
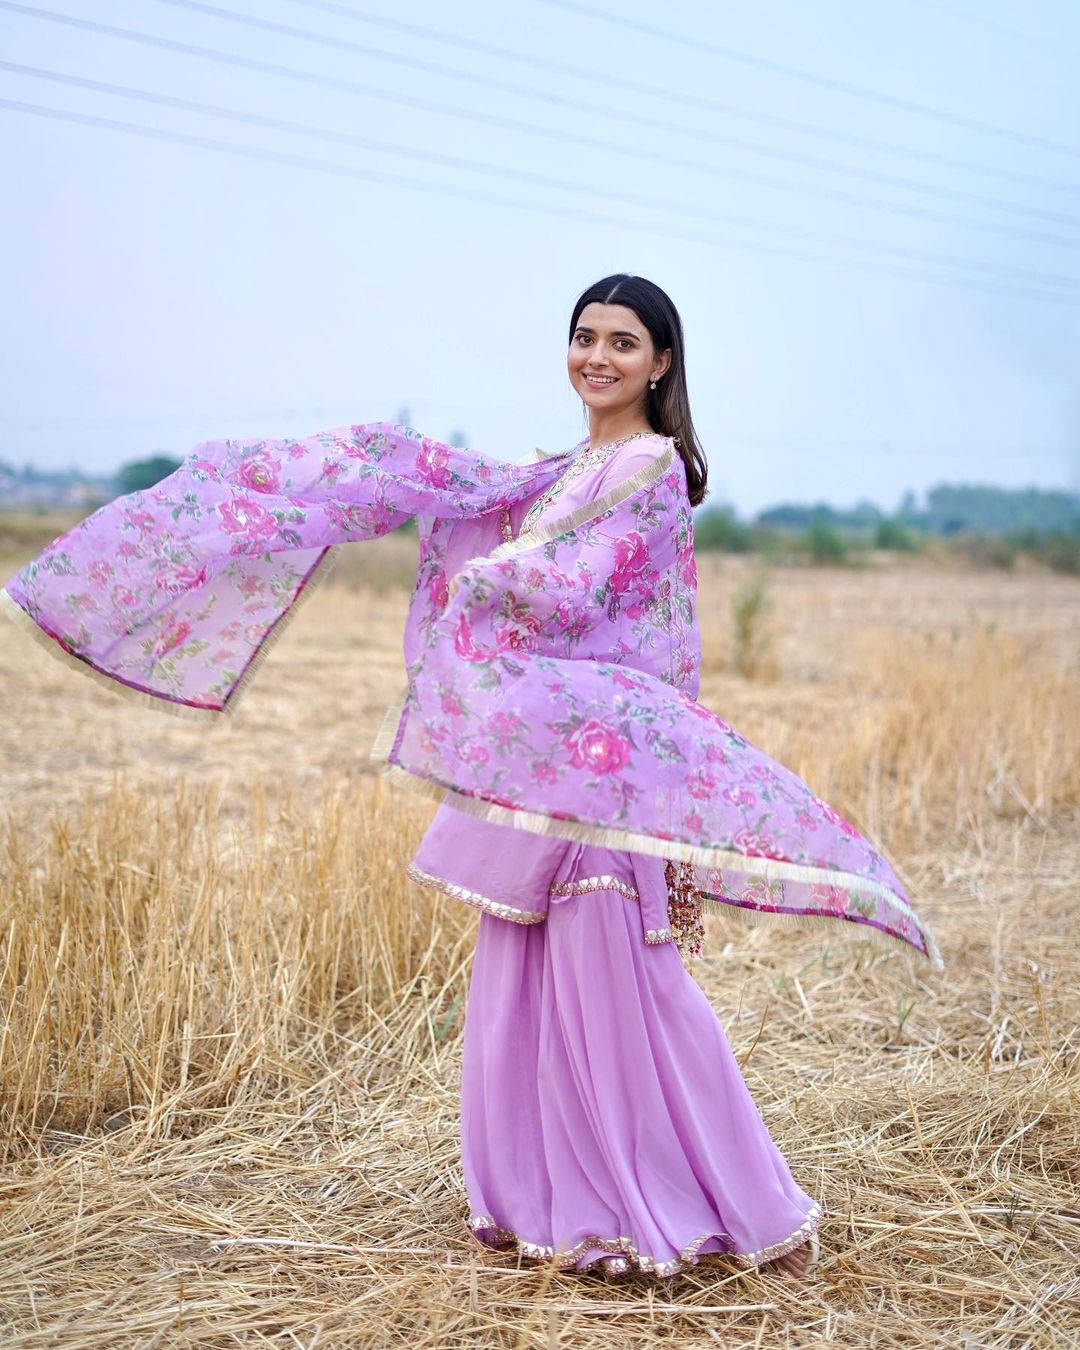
633 842
473 898
657 935
625 1247
551 529
586 885
12 610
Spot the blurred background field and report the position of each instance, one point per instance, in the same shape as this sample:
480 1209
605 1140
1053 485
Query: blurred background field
231 1032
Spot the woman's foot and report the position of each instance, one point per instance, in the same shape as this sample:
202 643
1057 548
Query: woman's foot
800 1261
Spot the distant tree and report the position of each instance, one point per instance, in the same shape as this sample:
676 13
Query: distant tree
893 533
824 543
139 474
718 527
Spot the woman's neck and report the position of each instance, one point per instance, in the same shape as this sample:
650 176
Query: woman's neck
605 427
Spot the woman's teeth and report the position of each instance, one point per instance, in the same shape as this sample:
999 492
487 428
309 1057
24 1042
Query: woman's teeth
600 381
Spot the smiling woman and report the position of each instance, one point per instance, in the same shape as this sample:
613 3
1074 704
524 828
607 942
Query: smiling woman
589 804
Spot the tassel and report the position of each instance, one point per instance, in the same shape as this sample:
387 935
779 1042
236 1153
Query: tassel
684 908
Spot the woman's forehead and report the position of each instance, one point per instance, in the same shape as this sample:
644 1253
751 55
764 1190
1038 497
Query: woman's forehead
609 318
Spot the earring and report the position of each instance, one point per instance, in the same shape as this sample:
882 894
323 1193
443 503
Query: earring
652 385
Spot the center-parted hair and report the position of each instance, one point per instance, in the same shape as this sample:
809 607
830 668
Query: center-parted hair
667 407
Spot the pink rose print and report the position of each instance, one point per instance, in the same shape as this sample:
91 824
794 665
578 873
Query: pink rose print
714 754
248 521
805 819
126 549
687 566
739 796
123 597
752 844
506 728
199 465
544 773
472 752
259 472
624 681
693 822
251 585
464 644
519 636
832 897
431 464
596 746
451 704
438 590
99 571
178 579
835 818
631 562
174 636
142 520
701 785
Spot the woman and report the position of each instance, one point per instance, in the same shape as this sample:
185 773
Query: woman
603 1112
589 804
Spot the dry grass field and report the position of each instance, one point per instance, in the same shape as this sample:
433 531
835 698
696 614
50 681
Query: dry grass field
231 1027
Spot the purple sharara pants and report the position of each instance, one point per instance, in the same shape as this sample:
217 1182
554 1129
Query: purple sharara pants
603 1114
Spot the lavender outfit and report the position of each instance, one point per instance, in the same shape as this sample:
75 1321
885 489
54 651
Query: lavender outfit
603 1114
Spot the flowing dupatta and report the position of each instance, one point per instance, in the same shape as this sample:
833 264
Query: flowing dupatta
555 692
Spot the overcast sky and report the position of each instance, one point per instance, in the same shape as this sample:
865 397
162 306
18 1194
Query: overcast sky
868 214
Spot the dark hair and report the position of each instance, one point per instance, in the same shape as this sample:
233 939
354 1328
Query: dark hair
667 407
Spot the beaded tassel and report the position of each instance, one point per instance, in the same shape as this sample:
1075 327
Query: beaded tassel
684 907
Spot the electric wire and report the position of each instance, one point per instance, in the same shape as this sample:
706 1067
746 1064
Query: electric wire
627 115
685 98
501 172
667 158
700 44
451 190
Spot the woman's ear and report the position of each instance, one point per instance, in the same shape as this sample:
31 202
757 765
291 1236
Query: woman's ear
663 362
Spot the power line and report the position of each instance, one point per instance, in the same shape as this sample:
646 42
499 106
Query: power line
685 98
907 448
667 159
450 190
501 172
700 44
628 115
994 26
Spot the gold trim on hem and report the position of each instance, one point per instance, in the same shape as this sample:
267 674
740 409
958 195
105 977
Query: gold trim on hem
586 885
632 842
474 898
653 936
625 1247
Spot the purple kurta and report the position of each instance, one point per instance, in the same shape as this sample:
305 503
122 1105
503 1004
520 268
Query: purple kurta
603 1114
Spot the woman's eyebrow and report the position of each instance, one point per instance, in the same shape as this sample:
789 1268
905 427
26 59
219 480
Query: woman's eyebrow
622 332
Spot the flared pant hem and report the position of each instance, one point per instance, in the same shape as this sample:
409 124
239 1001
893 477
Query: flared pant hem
593 1248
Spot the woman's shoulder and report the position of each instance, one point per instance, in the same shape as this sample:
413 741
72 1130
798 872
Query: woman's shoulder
634 456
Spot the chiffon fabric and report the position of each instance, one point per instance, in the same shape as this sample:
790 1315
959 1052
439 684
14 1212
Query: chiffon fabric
604 1118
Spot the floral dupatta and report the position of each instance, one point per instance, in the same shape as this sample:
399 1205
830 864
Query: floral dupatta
555 692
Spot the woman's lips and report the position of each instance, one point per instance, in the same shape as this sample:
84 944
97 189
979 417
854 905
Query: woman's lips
604 382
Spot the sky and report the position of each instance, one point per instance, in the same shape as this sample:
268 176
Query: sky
867 215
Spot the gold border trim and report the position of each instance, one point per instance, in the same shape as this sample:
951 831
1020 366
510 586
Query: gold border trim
625 1247
551 529
474 898
631 842
590 885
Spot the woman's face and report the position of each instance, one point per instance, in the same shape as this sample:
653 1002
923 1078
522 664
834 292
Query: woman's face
611 358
